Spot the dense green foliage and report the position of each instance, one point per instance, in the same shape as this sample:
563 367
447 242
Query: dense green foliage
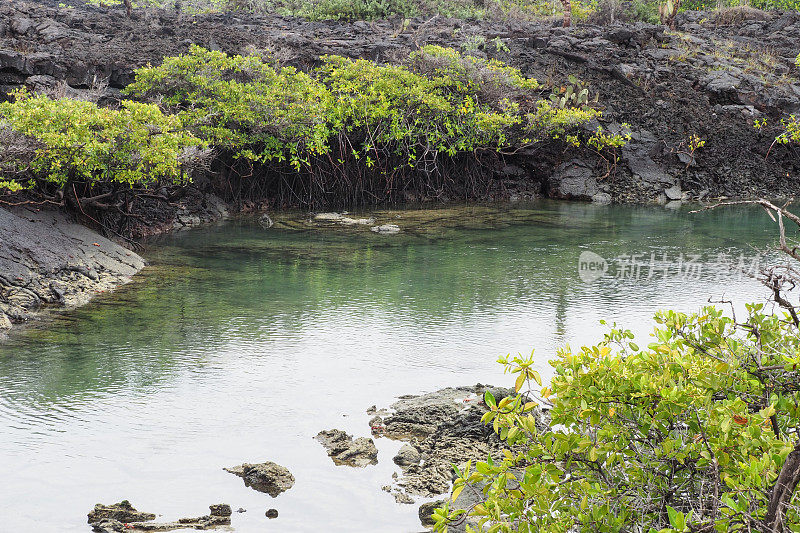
64 139
389 117
381 9
686 434
352 123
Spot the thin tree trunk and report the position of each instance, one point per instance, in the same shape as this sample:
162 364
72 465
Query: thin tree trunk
567 12
128 6
783 491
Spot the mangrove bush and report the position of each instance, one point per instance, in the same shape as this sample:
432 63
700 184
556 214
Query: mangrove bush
697 431
57 141
355 125
347 131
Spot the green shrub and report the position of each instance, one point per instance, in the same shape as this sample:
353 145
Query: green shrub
343 121
686 434
355 9
240 104
61 140
439 104
792 130
766 5
384 9
645 11
791 125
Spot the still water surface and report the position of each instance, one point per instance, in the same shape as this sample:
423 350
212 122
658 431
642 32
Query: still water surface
240 343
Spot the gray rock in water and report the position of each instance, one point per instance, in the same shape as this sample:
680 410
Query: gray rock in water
341 447
5 322
267 477
386 229
122 511
426 511
328 217
407 455
123 517
271 513
602 198
674 192
265 221
444 428
347 221
403 498
220 509
108 525
45 259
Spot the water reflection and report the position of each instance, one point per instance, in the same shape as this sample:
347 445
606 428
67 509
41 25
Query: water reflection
239 344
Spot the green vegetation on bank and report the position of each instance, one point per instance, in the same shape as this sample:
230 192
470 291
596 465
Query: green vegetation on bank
689 433
646 10
766 5
791 124
440 103
62 140
374 9
342 123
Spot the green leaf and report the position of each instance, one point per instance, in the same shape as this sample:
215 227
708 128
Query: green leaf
488 398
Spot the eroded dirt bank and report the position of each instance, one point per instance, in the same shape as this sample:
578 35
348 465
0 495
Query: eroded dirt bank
712 78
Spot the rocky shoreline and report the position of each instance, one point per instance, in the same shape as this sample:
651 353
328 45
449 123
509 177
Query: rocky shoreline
50 261
439 429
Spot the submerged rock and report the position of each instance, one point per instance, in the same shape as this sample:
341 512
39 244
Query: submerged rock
386 229
268 477
341 447
265 221
328 217
357 221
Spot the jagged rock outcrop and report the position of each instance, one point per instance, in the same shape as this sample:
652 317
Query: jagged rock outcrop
268 477
440 429
121 517
345 450
47 260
